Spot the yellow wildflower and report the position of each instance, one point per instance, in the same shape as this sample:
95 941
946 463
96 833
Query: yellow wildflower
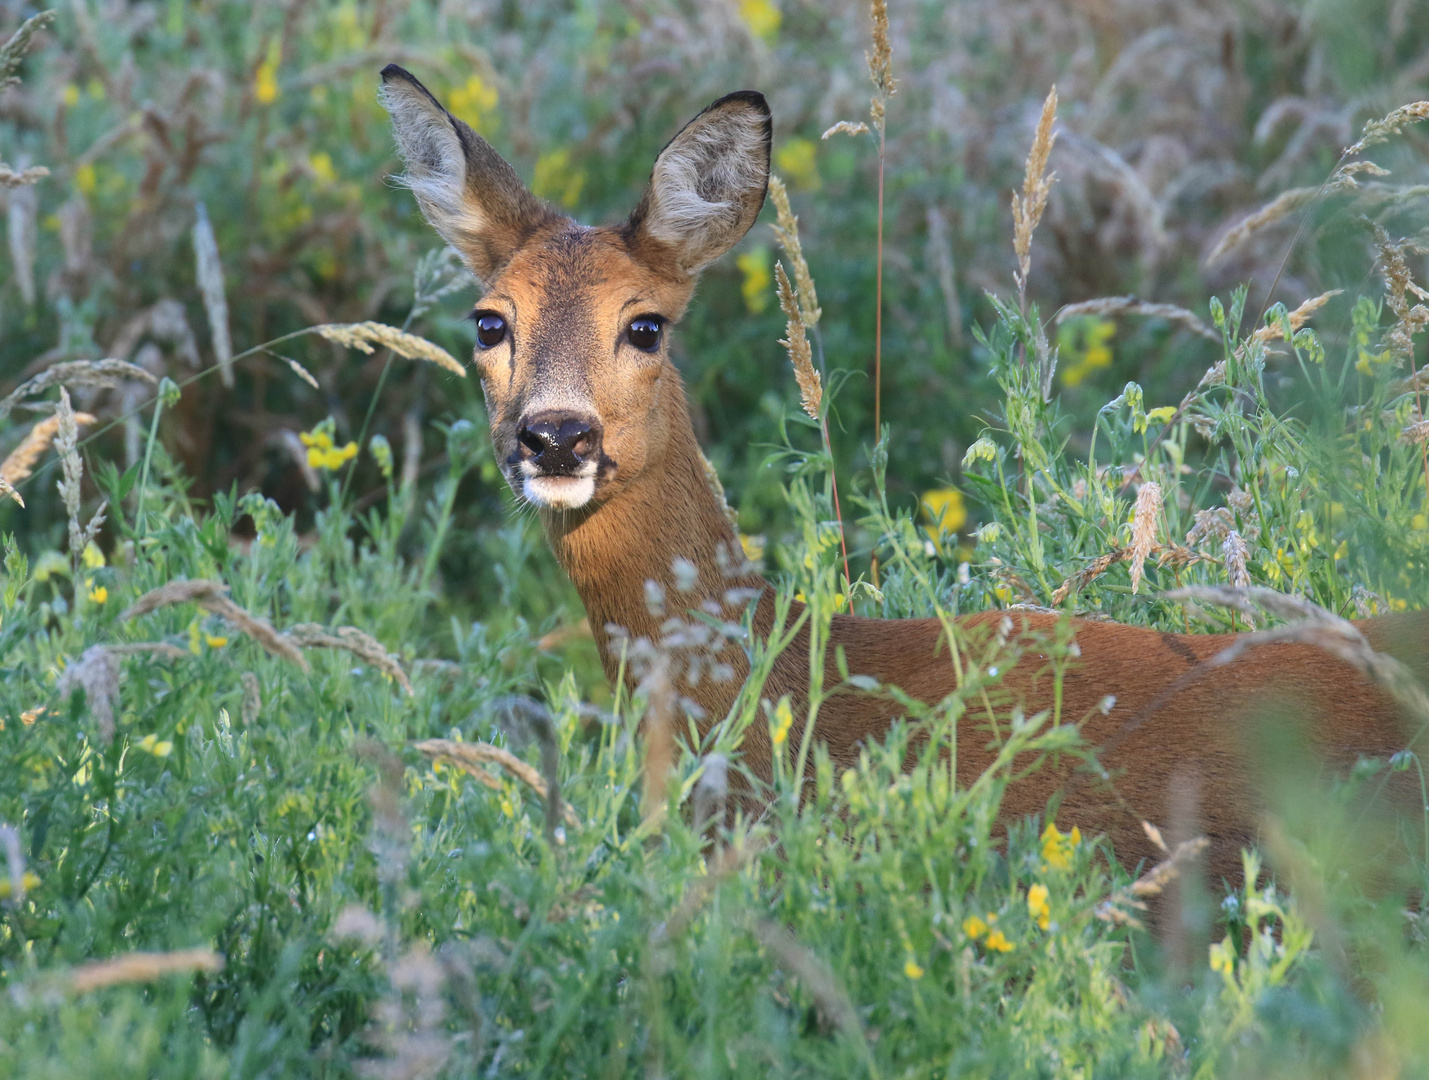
1223 957
753 546
1163 414
912 970
996 940
754 266
322 453
473 101
783 721
86 178
71 95
28 882
1089 355
945 511
92 557
762 17
795 159
214 642
265 79
1057 849
974 927
321 166
557 179
98 594
156 746
1038 909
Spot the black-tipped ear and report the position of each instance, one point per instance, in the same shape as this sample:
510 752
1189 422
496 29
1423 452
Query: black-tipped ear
468 192
708 184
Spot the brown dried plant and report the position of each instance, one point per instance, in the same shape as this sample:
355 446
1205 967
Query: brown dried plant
213 596
141 967
364 336
350 639
471 756
21 461
1028 207
1143 529
786 231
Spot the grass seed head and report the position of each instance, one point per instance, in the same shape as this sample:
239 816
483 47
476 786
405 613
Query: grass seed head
364 336
1143 529
811 387
1037 183
786 231
215 297
1280 207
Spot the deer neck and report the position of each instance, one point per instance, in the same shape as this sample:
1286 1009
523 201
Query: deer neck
669 513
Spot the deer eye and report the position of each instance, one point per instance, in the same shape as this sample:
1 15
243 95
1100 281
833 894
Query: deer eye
644 332
490 329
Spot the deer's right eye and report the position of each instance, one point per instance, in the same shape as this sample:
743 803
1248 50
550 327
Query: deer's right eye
490 329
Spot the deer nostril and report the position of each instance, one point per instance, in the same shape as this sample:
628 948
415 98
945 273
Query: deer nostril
558 443
535 440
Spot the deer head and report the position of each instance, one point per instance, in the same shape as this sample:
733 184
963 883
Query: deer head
573 326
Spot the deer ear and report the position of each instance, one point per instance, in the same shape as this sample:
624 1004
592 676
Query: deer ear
708 184
468 192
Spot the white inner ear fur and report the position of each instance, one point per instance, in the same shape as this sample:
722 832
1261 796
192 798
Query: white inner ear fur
436 164
702 183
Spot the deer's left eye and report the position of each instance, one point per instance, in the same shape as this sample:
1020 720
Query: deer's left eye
644 332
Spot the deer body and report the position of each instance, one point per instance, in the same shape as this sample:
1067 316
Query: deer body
590 422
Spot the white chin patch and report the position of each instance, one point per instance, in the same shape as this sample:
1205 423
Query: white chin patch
559 492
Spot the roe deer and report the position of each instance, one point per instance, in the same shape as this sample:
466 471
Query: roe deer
590 425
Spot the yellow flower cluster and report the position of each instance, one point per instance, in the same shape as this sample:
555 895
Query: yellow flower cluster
762 17
756 279
945 511
322 454
986 931
783 721
1093 354
795 159
93 559
1057 849
28 881
1038 909
154 745
1223 957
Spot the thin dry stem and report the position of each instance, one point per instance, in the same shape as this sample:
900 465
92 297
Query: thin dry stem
350 639
213 596
470 756
74 374
1130 305
141 967
813 974
1283 205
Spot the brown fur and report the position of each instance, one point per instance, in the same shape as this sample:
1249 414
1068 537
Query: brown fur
568 293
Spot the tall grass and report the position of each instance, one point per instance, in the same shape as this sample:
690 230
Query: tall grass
274 802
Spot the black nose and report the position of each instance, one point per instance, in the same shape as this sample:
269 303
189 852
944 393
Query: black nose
558 443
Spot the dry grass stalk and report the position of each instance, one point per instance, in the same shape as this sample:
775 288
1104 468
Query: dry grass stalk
833 1004
350 639
17 45
1143 529
20 462
711 791
847 127
717 487
1036 186
1080 580
9 492
213 596
97 674
141 967
151 648
364 336
22 225
1410 318
470 756
215 296
1378 131
1235 553
880 63
811 387
66 445
297 369
1130 305
659 731
1280 207
75 374
1152 883
1297 318
1317 626
1414 434
786 231
252 699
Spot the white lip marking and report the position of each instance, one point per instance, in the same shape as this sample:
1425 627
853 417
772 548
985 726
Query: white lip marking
559 492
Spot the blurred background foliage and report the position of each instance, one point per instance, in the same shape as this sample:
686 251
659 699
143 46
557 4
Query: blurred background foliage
1177 120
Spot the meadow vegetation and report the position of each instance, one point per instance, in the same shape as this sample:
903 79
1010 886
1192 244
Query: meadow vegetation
306 766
